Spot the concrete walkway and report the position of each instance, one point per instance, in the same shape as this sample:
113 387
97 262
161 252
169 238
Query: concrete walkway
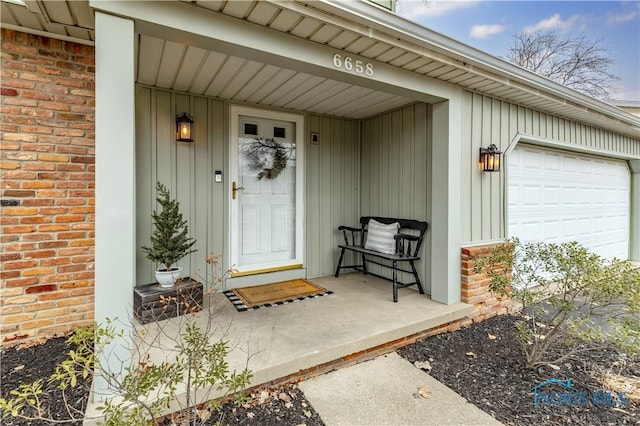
388 390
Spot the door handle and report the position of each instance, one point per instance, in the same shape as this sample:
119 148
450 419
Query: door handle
234 189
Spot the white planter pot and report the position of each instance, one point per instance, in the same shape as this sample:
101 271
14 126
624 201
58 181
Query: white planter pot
168 278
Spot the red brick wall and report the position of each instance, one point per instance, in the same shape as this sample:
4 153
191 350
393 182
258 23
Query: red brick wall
47 187
475 286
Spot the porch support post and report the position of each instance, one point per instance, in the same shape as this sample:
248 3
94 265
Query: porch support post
446 205
634 249
115 177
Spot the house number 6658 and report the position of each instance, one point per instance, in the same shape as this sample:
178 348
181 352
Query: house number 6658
350 64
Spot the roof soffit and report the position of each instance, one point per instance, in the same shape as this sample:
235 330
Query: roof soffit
65 20
396 31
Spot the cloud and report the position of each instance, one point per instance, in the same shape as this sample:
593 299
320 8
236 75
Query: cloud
555 22
626 94
486 31
416 9
622 17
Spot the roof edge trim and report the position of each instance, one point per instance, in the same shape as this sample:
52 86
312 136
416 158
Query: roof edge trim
392 22
48 34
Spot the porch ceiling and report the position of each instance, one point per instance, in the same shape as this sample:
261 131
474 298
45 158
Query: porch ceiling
65 19
366 32
237 79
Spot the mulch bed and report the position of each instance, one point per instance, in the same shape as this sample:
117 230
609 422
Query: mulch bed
483 363
284 405
22 366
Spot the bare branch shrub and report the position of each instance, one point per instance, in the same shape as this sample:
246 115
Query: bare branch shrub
174 365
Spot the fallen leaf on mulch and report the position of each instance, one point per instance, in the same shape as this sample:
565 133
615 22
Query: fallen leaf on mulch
284 397
423 365
630 386
264 396
204 414
32 343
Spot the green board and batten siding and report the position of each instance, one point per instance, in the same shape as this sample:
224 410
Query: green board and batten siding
332 177
186 168
375 166
396 153
332 188
488 120
387 4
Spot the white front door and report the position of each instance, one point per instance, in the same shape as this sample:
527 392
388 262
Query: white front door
266 191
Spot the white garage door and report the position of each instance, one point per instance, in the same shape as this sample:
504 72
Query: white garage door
558 196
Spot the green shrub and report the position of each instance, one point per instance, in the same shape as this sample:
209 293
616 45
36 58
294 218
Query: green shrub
568 295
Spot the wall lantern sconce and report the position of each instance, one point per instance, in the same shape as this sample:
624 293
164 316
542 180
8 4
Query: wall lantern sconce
490 159
184 127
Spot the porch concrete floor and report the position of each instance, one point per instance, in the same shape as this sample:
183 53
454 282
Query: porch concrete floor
359 315
278 341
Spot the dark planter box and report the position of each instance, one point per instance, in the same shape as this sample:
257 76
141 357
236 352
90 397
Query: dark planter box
152 302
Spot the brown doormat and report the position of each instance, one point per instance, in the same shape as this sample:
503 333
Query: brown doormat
262 296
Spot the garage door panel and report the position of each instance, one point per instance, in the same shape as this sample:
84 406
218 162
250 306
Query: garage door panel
552 195
552 229
532 196
568 228
558 196
553 162
532 226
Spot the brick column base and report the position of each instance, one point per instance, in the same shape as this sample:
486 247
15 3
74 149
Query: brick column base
475 286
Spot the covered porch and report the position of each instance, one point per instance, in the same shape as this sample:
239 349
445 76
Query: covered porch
357 322
389 136
389 145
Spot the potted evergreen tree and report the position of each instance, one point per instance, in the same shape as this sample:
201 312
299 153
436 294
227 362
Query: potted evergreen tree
170 241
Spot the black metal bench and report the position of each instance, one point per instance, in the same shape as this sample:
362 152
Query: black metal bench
408 241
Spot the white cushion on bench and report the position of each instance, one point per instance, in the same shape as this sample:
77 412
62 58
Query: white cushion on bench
380 237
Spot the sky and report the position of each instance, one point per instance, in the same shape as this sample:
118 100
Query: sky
490 26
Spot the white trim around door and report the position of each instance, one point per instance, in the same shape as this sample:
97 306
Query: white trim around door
266 212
